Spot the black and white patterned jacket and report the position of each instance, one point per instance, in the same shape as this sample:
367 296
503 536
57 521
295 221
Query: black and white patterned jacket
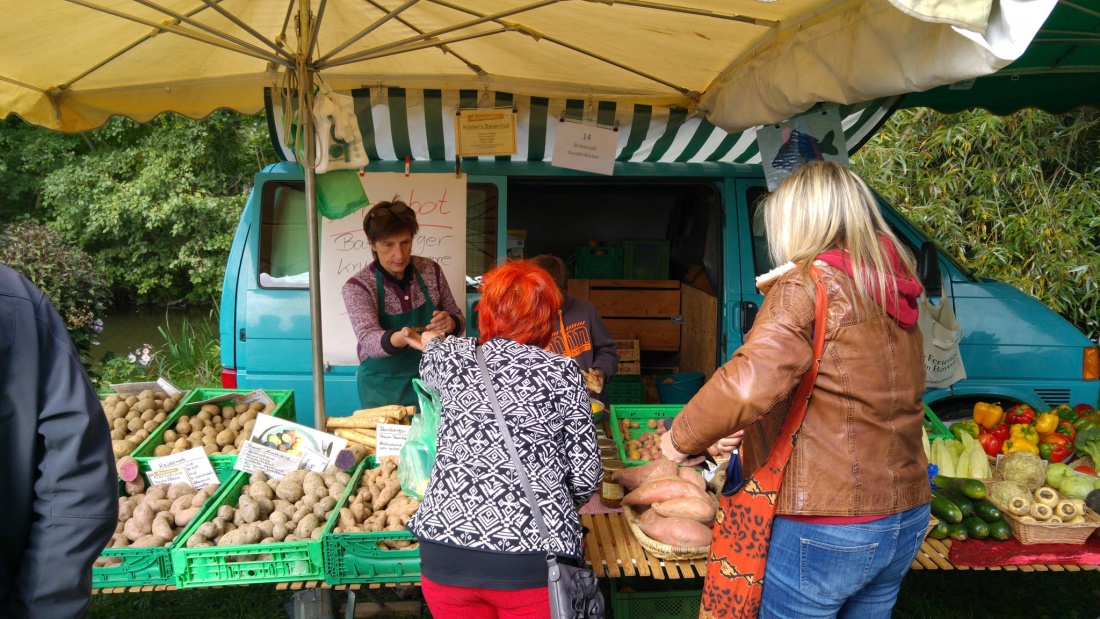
474 498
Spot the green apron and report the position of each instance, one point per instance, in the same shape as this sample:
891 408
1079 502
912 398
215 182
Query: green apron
387 380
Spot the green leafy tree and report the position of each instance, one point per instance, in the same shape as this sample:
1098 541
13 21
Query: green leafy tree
1015 198
74 282
158 203
27 155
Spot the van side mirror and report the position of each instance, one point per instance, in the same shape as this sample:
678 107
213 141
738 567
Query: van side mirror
928 268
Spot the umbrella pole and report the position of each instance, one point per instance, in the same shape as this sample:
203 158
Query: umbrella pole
305 117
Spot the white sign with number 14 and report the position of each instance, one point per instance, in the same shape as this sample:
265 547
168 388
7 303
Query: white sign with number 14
583 147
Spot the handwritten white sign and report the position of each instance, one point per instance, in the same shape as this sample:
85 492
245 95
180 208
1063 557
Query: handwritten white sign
440 204
587 148
389 438
191 467
275 444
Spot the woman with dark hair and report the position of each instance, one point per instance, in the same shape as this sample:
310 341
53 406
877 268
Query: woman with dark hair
480 549
395 291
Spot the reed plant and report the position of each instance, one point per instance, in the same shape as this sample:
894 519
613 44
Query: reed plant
191 355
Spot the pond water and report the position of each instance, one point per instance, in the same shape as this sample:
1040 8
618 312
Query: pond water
128 330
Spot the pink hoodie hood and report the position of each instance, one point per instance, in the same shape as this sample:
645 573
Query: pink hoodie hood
901 307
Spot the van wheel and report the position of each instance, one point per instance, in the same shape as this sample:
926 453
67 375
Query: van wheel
958 409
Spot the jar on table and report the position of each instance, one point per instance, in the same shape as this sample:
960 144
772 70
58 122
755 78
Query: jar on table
611 491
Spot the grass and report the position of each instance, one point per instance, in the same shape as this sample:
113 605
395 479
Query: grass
191 354
925 594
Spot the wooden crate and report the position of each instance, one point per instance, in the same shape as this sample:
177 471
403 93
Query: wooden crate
628 350
645 310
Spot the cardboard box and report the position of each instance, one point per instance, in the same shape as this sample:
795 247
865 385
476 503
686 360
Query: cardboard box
628 350
630 367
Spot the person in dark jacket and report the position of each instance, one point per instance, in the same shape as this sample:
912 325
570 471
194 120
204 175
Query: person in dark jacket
58 478
579 332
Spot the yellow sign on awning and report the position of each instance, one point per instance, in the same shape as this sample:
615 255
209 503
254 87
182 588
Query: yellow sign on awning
485 132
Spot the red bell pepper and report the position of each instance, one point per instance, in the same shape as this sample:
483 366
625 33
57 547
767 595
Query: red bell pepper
991 443
1083 408
1020 414
1088 470
1001 431
1055 447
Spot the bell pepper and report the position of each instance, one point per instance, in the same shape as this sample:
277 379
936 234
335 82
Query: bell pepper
1083 408
1024 432
1086 469
1084 423
1065 413
1001 431
990 443
1021 413
1055 447
965 427
1067 429
1014 444
1045 423
988 415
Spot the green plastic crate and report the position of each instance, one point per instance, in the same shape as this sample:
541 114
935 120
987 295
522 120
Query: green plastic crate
587 264
645 259
142 566
355 557
641 413
251 563
934 426
633 598
284 409
626 389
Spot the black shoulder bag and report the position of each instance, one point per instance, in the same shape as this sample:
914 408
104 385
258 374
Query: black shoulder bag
574 591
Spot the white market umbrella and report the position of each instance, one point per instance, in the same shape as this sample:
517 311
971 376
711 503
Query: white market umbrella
69 65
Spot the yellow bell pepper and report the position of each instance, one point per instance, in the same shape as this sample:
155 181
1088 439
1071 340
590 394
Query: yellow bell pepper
1045 423
1014 444
1024 432
988 415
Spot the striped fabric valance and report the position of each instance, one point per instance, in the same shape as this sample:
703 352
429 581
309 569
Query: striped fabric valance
398 123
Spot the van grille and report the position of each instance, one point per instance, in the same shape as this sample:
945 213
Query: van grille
1054 397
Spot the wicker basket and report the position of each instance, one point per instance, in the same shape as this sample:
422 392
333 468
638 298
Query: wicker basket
932 522
1039 532
659 550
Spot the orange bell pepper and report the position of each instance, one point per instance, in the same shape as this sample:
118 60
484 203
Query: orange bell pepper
988 415
1045 423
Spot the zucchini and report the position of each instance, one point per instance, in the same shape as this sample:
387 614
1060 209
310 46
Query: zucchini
987 511
957 531
972 488
965 505
939 531
976 527
1000 531
945 510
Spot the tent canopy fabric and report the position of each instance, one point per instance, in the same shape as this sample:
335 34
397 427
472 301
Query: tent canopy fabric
397 123
69 65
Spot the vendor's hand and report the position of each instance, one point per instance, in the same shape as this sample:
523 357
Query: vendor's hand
727 445
599 375
670 452
399 339
418 340
442 322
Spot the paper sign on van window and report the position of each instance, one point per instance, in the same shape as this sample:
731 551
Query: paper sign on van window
585 147
813 136
277 446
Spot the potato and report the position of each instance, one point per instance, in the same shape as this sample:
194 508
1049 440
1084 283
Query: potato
210 530
183 427
306 526
324 507
162 525
160 417
137 528
185 516
225 512
279 530
289 490
247 509
149 541
123 448
226 437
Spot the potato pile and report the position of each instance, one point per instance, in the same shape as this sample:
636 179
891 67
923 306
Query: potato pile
379 505
218 430
646 447
134 418
269 511
155 517
360 426
671 504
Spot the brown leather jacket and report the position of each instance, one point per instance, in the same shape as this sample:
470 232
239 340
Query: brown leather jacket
859 450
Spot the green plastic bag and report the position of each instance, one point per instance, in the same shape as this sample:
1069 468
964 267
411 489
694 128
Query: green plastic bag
417 455
340 193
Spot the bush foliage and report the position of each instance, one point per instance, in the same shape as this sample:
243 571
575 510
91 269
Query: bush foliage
1015 198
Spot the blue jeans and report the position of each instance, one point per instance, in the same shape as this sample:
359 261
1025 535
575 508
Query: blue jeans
840 570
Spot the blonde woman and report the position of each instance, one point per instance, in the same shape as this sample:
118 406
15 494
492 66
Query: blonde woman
853 507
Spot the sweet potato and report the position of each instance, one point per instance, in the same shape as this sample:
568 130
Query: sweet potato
691 508
678 532
692 475
634 476
660 490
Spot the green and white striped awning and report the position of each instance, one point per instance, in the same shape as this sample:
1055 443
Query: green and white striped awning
398 123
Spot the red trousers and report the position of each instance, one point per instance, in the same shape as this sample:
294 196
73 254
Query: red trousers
447 602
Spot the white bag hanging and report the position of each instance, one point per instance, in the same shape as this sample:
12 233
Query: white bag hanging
339 141
943 363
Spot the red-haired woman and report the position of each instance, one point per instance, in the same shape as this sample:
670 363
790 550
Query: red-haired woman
480 549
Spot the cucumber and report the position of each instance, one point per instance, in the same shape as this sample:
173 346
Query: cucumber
976 527
987 511
1000 530
945 510
957 531
972 488
939 531
965 505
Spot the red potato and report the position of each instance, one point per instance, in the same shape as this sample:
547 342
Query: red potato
677 532
690 508
634 476
656 491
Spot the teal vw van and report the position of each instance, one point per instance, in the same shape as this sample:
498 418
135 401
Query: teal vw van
682 184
